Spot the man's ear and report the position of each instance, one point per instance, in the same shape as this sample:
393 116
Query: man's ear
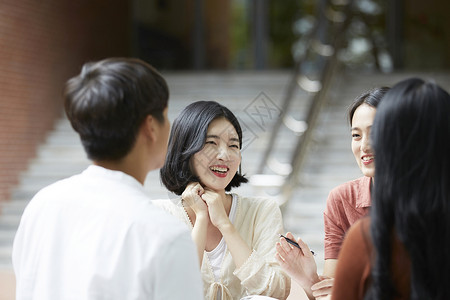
149 128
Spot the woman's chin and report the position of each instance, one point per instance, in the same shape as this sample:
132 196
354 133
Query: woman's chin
369 172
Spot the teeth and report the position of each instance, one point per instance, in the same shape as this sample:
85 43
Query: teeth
367 158
219 169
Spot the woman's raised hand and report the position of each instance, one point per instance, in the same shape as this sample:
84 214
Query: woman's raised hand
192 197
298 263
216 208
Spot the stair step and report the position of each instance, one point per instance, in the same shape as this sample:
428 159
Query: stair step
7 237
58 152
5 256
15 207
9 222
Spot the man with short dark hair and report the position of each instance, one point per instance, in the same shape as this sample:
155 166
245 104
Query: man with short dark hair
96 235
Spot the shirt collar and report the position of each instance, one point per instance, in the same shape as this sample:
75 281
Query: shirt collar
98 172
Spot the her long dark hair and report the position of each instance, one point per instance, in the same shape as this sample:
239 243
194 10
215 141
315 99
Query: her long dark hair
411 196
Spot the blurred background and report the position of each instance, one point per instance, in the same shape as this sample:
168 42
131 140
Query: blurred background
206 49
43 43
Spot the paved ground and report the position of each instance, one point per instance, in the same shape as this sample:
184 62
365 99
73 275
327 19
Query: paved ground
329 161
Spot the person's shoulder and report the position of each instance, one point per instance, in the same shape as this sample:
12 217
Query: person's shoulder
258 213
167 204
64 182
349 190
363 224
171 206
155 219
260 207
158 209
360 230
358 238
350 185
258 202
56 189
159 235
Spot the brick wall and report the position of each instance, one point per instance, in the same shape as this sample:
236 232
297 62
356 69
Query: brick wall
42 44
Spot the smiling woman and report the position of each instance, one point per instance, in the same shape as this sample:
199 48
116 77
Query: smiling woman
220 157
350 201
345 204
235 235
401 250
361 124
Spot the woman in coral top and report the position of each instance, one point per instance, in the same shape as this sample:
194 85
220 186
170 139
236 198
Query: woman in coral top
401 251
345 204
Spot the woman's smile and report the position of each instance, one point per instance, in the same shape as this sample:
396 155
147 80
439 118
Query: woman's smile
218 161
219 170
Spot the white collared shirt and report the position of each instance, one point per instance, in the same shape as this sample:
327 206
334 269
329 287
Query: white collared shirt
96 235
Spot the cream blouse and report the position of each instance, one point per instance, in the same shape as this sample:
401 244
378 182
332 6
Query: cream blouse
259 222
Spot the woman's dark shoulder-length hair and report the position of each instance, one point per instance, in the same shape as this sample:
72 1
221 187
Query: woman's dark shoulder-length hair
187 137
371 97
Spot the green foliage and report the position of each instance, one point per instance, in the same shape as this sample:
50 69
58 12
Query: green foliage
240 36
282 15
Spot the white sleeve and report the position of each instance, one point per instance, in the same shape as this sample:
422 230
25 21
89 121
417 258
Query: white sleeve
178 275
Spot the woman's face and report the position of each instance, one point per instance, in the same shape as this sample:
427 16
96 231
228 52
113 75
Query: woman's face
218 161
361 125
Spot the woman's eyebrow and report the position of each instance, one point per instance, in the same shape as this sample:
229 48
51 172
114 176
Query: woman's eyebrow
212 136
357 128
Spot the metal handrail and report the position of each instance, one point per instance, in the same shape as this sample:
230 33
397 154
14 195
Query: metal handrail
317 89
329 70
